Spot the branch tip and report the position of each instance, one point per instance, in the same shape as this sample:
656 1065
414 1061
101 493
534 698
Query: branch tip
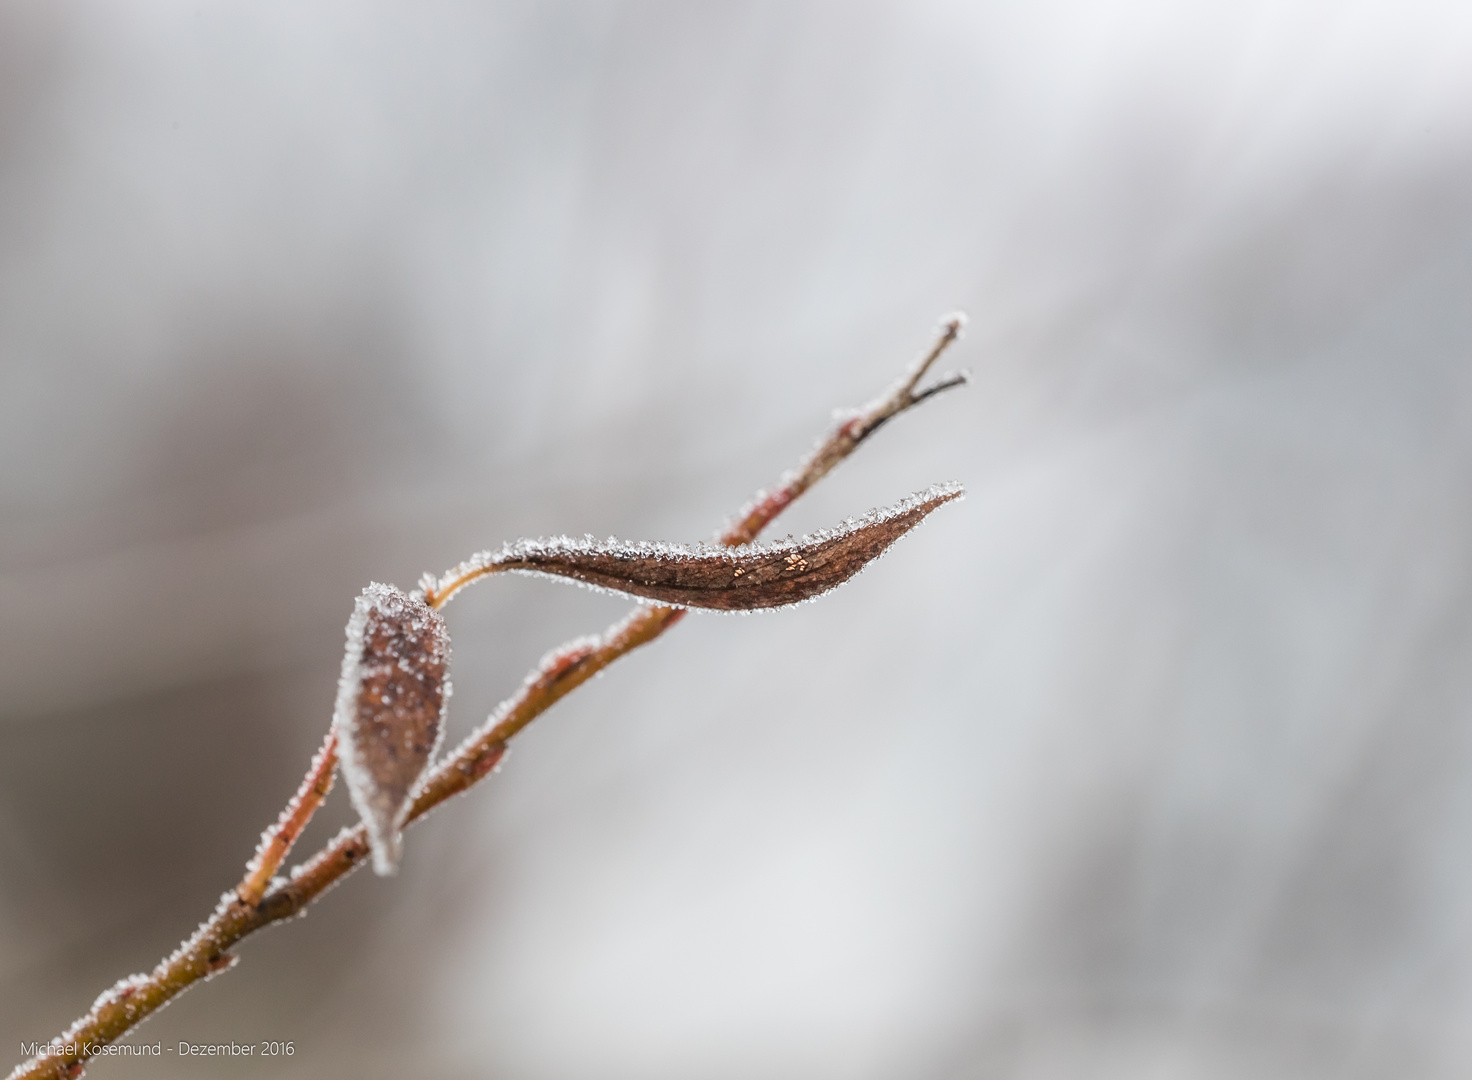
950 330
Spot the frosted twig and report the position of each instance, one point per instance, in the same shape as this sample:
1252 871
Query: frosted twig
277 841
260 899
843 439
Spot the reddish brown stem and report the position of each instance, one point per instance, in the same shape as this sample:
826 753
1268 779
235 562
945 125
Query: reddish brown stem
206 953
277 841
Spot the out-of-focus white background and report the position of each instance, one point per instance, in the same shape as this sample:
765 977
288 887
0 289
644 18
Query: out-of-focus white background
1151 759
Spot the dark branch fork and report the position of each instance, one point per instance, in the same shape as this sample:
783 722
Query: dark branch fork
726 580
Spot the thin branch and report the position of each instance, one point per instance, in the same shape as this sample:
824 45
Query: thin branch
851 429
277 841
259 900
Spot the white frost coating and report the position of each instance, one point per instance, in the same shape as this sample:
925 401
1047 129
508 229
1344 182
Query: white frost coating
126 987
269 836
123 988
301 868
385 840
577 646
486 561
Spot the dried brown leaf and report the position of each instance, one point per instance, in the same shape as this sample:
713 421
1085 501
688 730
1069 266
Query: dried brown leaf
724 579
390 709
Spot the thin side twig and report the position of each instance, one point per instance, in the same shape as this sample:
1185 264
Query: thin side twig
260 899
276 842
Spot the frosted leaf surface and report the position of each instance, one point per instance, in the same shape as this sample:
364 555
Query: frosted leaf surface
390 709
747 578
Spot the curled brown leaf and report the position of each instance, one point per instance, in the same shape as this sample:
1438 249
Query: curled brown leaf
747 578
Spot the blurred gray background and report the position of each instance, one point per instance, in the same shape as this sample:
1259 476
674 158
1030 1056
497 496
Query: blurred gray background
1152 759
